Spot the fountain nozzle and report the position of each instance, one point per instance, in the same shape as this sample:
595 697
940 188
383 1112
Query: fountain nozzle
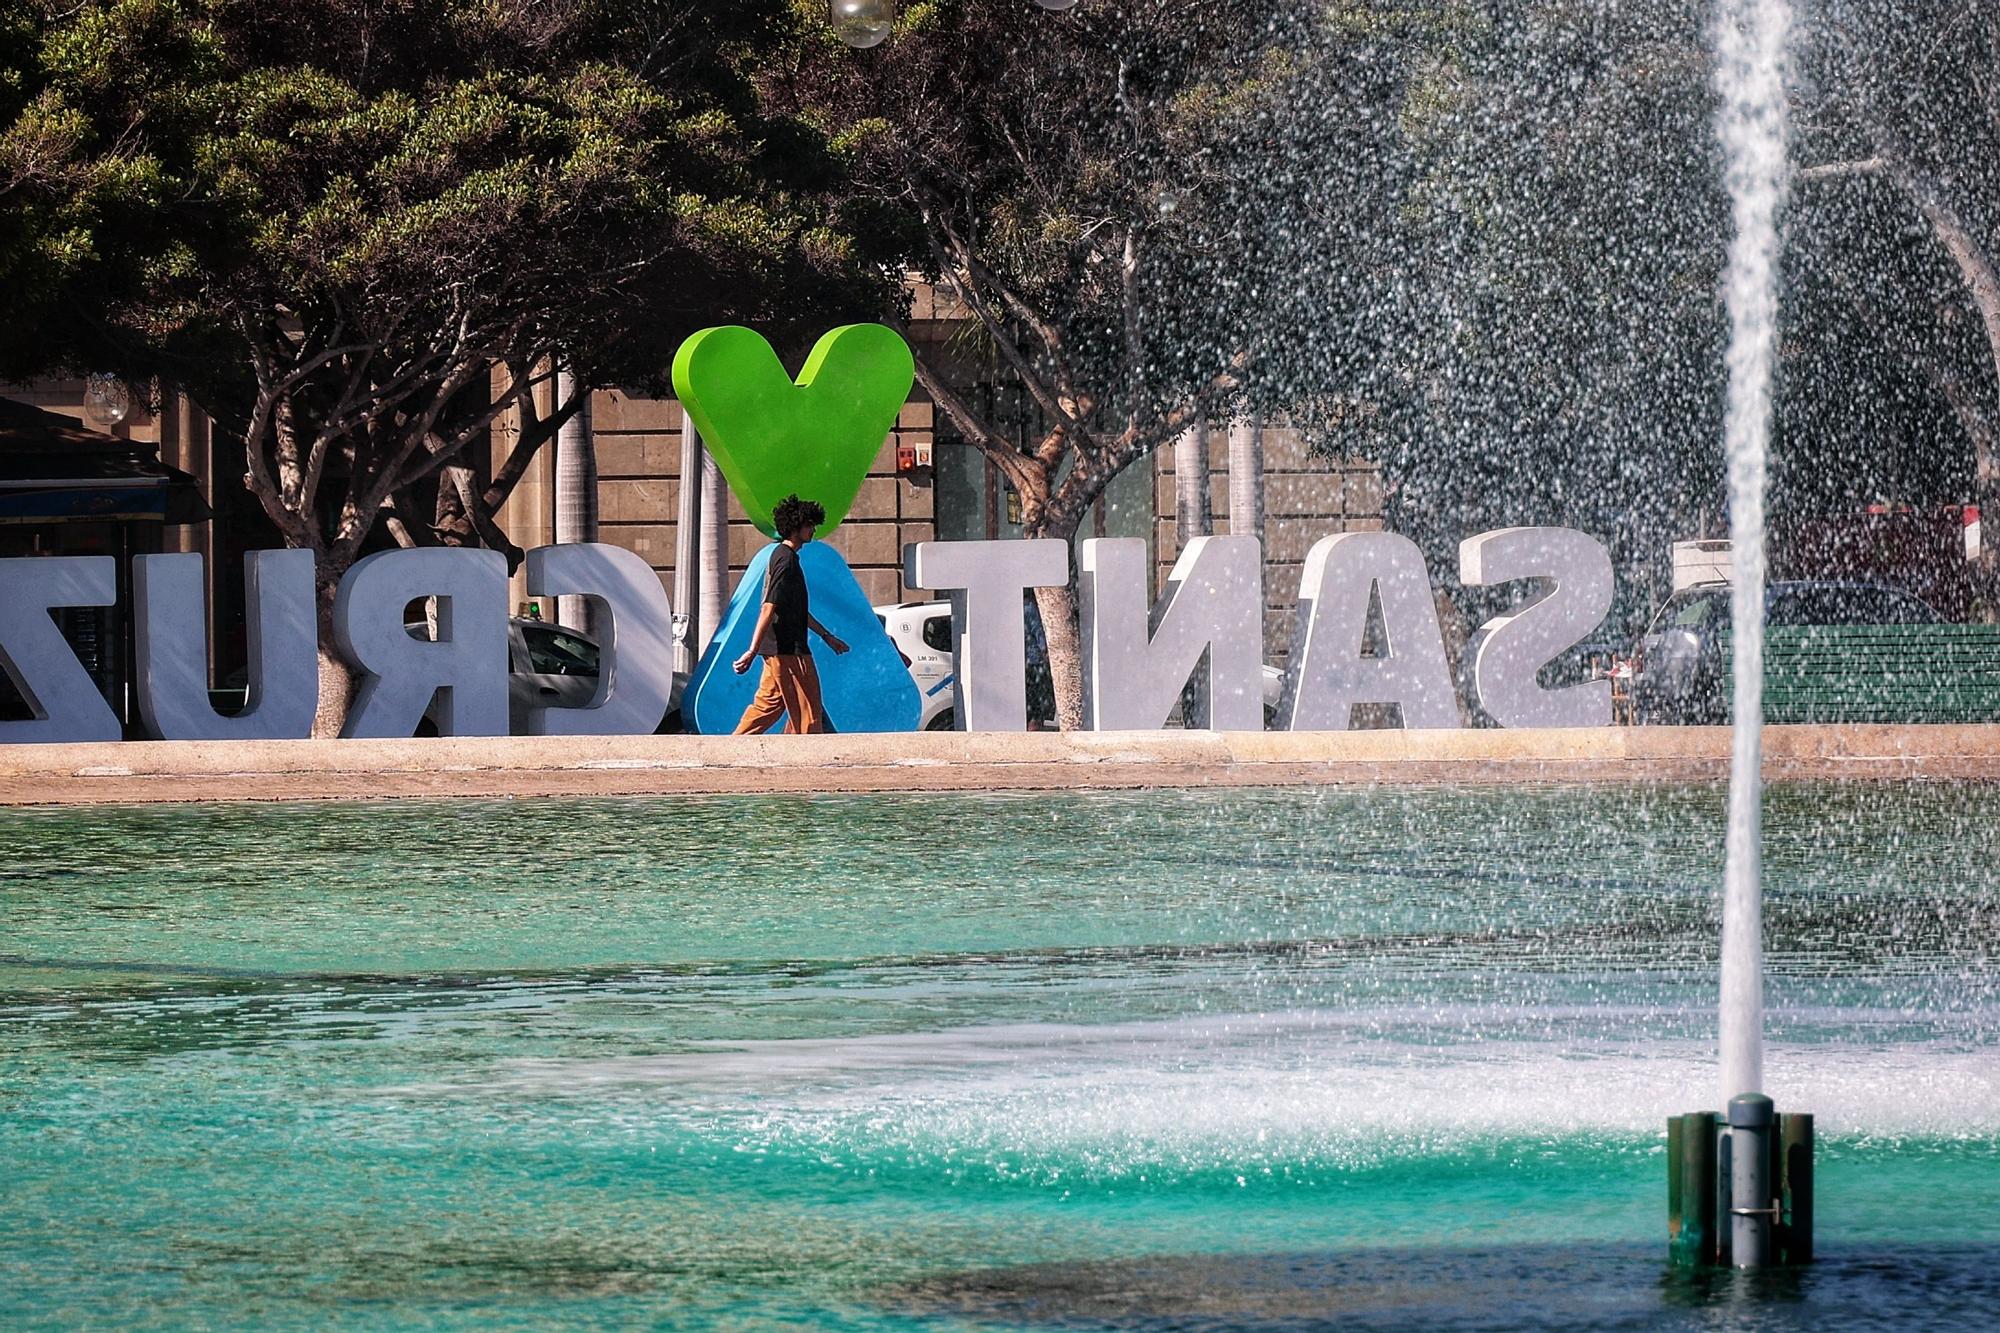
1740 1186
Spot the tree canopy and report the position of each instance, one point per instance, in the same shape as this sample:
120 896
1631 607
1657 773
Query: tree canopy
1125 199
356 231
1550 280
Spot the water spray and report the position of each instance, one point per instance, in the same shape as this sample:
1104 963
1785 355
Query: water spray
1753 1161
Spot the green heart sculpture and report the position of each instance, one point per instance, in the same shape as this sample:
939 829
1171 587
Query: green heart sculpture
772 437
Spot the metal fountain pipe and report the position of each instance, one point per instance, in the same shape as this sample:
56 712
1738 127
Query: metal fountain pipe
1753 1214
1751 37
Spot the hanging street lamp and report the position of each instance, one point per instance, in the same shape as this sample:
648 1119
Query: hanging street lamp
863 23
106 401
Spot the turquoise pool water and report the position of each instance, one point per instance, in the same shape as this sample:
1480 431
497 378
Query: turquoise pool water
1164 1060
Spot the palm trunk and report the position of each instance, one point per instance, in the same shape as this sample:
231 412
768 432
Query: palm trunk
1246 479
576 490
687 553
1246 488
1192 517
714 548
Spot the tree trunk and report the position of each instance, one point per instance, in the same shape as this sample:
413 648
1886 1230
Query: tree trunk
1981 274
336 682
1979 427
1192 515
576 491
451 523
1058 608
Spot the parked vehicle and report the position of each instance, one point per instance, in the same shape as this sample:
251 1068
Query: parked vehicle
1680 668
921 632
555 667
548 667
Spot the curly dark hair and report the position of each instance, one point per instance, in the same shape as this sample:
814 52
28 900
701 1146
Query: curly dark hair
791 513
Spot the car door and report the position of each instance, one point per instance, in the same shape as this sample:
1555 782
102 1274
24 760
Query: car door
931 660
562 672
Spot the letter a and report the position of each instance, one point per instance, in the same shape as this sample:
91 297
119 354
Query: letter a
1328 674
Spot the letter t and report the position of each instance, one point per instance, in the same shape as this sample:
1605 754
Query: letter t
986 581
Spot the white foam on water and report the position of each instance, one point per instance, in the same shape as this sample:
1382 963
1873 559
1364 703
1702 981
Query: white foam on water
1243 1090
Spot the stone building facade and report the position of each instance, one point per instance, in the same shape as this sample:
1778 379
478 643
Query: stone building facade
1306 497
638 448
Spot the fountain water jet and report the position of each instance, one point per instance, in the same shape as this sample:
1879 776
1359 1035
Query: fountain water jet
1750 72
1765 1161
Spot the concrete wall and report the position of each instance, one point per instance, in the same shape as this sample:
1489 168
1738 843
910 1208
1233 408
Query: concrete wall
65 397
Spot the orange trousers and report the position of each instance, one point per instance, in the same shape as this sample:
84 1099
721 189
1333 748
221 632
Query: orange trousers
789 688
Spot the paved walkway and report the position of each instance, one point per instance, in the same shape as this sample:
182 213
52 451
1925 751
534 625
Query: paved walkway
155 771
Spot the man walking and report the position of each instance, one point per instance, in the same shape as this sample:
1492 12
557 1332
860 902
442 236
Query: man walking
790 684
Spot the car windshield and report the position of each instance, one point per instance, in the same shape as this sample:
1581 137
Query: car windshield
1702 609
1696 609
554 653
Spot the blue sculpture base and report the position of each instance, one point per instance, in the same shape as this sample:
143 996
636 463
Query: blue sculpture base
868 688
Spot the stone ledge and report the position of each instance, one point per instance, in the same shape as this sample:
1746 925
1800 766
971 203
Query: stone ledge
166 771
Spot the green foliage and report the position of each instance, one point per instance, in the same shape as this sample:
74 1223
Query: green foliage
1112 185
384 198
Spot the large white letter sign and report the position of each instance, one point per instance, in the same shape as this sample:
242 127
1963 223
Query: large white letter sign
1511 649
1328 674
986 581
1212 608
170 618
635 634
38 659
468 661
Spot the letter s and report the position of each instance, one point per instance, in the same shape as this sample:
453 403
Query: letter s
1513 648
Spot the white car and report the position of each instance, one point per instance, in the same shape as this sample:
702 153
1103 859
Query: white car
921 632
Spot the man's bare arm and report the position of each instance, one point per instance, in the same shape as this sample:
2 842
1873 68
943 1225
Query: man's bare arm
759 639
833 641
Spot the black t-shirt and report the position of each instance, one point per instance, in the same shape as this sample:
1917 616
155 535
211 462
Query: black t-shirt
785 589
